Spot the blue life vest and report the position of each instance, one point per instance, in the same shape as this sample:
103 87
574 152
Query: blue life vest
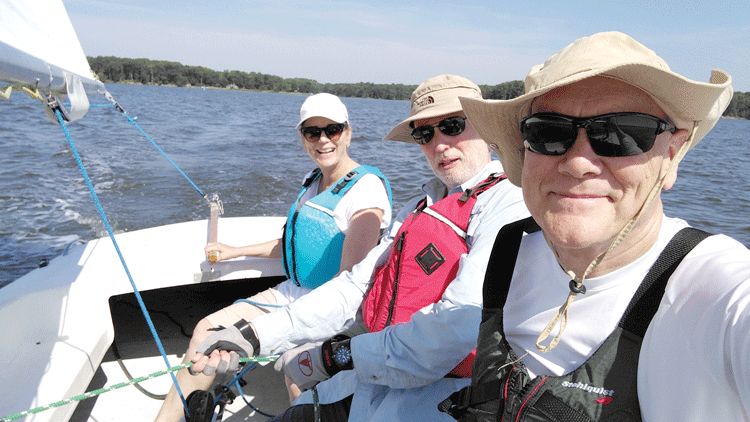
312 240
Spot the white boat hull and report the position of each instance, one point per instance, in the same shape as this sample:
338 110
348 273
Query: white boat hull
57 322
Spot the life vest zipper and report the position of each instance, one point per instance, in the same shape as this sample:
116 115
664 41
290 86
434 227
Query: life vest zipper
392 306
525 393
284 253
293 273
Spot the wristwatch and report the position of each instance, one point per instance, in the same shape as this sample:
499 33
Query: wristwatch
342 354
337 355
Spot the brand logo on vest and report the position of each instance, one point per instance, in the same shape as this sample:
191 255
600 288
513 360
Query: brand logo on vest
430 259
305 363
593 390
604 400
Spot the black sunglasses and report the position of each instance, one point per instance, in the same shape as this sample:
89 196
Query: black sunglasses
451 126
332 131
610 135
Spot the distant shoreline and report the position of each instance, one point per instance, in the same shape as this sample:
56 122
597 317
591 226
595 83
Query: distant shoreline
204 87
291 93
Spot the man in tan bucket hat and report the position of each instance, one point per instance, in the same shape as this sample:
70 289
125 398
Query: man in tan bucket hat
412 307
594 317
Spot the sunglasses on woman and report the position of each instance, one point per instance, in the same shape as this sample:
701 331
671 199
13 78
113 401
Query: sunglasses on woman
451 126
610 135
332 131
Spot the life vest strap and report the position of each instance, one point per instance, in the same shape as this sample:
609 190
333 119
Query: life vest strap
348 178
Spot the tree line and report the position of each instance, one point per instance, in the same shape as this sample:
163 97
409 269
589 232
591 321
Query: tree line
158 72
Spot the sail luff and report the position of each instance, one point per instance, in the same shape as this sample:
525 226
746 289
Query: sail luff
39 48
22 69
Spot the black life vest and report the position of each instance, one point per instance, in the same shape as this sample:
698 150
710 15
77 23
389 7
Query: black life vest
604 388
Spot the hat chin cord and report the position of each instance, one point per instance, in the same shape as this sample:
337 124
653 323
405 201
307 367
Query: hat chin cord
576 283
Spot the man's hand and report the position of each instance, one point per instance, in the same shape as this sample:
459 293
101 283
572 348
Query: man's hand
303 365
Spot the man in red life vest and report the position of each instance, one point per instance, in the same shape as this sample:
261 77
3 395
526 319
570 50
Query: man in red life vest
415 300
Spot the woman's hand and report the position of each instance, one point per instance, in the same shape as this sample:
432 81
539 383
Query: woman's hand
216 252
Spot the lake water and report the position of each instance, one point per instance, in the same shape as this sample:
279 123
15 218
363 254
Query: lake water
243 146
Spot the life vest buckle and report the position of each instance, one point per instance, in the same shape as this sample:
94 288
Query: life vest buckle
457 404
348 178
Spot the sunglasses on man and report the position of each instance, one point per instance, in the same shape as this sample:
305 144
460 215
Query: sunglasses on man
610 135
450 126
332 131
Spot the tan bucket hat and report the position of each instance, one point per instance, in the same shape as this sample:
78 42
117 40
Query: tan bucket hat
434 97
691 105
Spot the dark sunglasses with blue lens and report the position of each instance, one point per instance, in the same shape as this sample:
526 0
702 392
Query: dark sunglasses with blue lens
450 126
610 135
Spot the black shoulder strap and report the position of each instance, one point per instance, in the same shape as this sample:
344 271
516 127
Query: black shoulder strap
482 186
311 178
497 280
646 299
502 261
421 205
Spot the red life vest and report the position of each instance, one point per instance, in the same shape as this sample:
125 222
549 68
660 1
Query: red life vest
422 262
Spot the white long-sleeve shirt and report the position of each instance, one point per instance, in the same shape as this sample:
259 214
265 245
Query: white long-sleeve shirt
399 372
694 362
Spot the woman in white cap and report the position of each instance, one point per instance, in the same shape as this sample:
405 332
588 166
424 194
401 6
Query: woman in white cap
608 309
337 218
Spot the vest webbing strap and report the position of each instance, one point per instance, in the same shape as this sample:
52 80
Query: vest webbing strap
646 299
502 261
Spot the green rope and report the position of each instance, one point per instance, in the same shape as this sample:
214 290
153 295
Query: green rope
93 393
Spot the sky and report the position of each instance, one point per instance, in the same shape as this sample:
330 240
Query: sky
406 42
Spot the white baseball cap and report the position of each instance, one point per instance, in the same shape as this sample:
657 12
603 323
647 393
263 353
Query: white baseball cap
323 105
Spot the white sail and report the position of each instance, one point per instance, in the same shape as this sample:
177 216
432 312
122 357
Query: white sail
39 48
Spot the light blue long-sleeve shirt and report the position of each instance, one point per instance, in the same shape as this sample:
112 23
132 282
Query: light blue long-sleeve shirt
399 372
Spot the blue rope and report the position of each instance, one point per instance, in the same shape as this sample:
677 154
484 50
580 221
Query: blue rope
117 248
236 380
132 121
257 304
242 394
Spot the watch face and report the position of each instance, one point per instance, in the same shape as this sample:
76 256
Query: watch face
342 356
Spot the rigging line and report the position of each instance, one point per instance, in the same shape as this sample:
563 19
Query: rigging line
146 315
242 394
133 122
252 302
236 383
113 387
125 371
